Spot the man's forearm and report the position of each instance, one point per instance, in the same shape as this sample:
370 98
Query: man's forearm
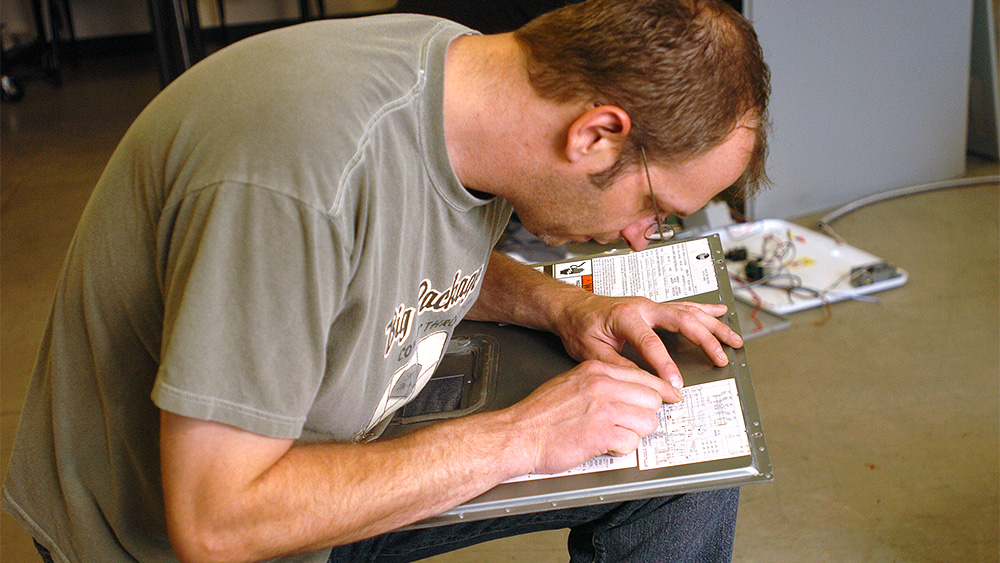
518 294
319 495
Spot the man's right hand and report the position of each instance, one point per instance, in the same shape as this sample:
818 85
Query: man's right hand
593 409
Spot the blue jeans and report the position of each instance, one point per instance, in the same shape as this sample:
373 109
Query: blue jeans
691 528
43 553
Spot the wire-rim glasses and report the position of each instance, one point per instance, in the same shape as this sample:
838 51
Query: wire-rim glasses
661 230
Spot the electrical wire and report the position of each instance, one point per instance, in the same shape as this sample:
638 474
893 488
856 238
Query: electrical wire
777 256
826 220
757 301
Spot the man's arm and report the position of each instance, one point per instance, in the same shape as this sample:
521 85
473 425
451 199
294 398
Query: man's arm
232 495
596 327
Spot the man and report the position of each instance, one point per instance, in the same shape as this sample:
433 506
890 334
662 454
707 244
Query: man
273 260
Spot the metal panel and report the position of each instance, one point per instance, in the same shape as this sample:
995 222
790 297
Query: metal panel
527 358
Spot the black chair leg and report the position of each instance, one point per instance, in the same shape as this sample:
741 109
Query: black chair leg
67 20
194 33
222 21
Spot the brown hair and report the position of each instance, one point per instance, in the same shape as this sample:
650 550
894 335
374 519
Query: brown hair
686 72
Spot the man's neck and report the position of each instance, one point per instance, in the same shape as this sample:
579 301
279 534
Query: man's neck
496 126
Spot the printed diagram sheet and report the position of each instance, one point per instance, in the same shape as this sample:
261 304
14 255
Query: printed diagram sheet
599 463
662 274
706 425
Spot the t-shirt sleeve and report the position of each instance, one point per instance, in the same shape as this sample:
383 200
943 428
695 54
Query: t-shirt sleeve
251 282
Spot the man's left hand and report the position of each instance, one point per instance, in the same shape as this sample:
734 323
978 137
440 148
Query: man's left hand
597 327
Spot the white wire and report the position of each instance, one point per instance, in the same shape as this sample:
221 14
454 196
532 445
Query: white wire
824 222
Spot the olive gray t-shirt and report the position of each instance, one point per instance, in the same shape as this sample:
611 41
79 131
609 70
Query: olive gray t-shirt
280 244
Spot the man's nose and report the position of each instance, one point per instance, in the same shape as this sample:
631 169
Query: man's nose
635 234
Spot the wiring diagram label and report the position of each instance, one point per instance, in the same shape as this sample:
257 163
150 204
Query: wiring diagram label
662 274
599 463
706 425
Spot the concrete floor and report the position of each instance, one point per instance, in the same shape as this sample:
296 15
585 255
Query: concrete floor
882 423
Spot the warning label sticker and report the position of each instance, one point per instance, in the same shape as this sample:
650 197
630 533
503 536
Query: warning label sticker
662 274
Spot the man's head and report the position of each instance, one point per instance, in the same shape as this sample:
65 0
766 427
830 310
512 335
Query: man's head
685 72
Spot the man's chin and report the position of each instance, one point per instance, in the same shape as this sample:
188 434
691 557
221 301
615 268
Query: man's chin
605 240
552 240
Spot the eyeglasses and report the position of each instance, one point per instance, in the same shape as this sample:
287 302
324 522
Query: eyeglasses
661 231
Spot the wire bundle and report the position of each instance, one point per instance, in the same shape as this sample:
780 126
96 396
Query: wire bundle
772 268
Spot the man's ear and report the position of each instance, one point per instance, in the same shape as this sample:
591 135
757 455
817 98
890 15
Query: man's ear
597 137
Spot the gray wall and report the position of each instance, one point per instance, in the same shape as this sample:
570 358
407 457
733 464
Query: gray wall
867 96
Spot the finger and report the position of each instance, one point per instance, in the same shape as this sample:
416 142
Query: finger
714 309
638 332
608 354
723 332
710 334
622 442
695 321
639 421
639 382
